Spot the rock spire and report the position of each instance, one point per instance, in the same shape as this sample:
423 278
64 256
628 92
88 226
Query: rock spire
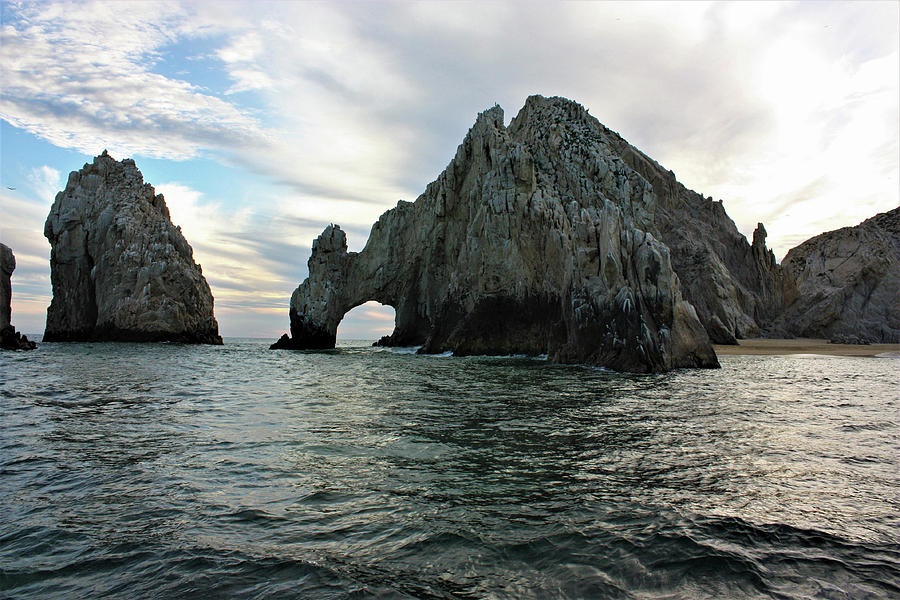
120 270
10 339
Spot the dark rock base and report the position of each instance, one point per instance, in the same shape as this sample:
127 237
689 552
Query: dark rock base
851 339
10 339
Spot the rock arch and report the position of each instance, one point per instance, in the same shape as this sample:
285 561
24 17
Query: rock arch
535 239
338 282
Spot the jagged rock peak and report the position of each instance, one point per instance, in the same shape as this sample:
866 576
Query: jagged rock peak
847 283
120 270
10 339
535 239
759 236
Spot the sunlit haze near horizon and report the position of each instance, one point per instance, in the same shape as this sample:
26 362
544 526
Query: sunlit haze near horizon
262 123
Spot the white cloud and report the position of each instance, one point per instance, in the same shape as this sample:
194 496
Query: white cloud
45 181
241 254
79 76
367 321
31 278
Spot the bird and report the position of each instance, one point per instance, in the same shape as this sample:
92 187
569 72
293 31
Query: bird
10 188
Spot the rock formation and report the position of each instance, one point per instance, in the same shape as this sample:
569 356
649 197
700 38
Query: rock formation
536 238
7 266
10 339
120 270
847 283
737 288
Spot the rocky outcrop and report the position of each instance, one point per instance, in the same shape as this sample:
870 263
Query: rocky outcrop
10 339
847 284
736 287
120 270
7 266
537 238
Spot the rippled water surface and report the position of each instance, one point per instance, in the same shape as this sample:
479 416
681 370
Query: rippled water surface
168 471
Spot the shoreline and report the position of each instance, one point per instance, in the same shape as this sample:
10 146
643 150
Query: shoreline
780 347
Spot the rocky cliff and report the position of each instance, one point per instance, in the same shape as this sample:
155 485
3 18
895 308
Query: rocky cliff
847 283
7 266
736 287
120 270
536 238
10 339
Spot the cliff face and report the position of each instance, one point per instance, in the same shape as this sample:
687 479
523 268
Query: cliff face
736 287
536 238
120 270
7 266
847 283
10 339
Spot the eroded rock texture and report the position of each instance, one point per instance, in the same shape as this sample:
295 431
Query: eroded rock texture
10 339
847 283
120 270
7 266
536 238
736 287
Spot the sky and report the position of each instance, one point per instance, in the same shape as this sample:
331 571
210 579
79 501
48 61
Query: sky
262 123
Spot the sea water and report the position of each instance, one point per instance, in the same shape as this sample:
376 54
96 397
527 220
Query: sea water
172 471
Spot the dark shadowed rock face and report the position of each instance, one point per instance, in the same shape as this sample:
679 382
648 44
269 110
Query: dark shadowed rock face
10 339
120 270
7 266
847 283
536 238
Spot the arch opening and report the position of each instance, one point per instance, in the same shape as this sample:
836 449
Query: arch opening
368 322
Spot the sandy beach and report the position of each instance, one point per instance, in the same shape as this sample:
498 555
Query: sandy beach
761 346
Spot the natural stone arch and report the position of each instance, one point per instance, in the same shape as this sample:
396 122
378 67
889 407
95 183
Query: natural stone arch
340 281
533 240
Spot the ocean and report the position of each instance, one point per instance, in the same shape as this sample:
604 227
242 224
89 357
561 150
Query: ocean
173 471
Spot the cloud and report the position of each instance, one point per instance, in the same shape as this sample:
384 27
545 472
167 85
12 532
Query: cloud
24 234
45 181
247 255
80 77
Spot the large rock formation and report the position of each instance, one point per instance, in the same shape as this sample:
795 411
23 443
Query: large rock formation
10 339
737 288
120 270
536 238
847 283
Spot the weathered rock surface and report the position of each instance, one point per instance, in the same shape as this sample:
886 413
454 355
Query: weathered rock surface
536 238
7 266
10 339
847 284
120 270
736 287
